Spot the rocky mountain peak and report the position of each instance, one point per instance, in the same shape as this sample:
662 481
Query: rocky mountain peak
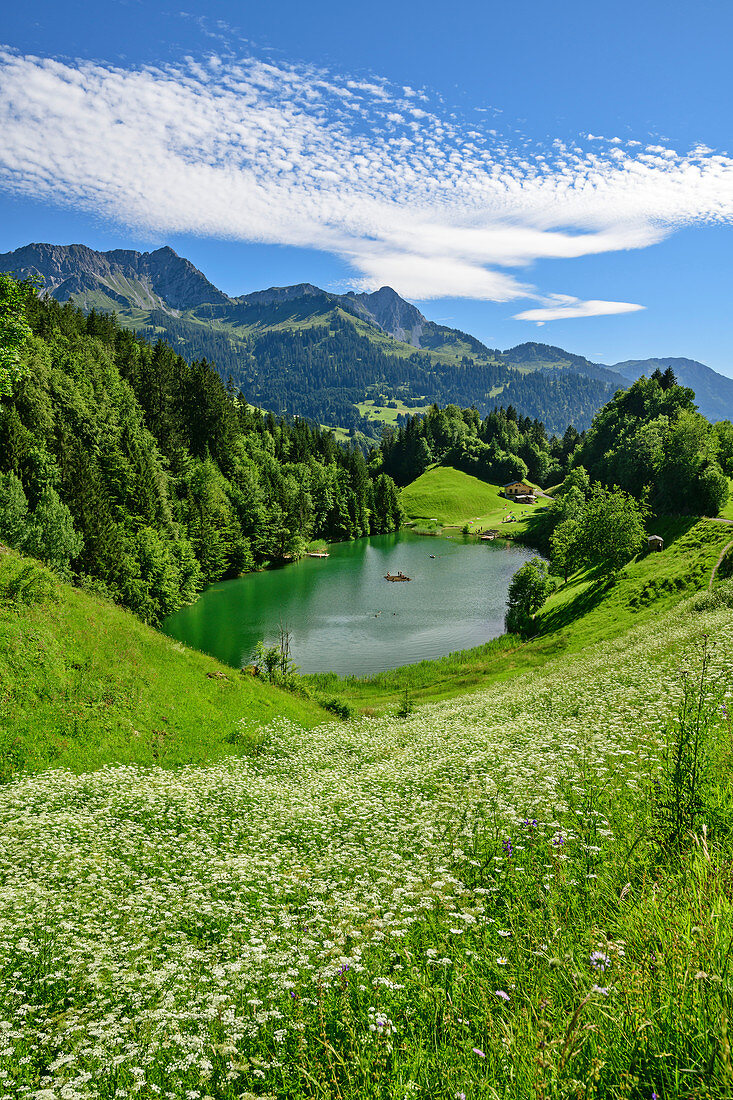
275 295
158 280
393 314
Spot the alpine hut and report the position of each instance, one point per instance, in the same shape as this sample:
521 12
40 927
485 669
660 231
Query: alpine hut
519 491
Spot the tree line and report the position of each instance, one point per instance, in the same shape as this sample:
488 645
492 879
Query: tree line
144 477
648 451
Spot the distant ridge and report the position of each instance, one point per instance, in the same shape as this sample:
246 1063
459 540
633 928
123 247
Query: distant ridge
545 356
302 349
146 280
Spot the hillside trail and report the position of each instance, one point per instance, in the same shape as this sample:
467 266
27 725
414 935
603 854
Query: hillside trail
723 552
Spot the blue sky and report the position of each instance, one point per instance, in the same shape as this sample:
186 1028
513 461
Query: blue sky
522 171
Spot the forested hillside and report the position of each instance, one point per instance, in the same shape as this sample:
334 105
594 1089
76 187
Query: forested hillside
498 448
301 350
651 440
144 477
648 440
323 368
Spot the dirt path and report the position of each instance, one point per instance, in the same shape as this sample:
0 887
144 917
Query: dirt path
724 551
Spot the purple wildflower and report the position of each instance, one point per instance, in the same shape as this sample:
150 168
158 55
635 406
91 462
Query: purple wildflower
479 1052
508 848
501 993
599 960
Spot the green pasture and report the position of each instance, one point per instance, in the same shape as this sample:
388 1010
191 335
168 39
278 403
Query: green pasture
455 499
84 683
384 414
521 894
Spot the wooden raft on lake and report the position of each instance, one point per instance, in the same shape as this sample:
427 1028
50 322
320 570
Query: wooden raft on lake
395 577
316 554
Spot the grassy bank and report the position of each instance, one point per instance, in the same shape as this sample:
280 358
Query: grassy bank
586 610
84 683
482 900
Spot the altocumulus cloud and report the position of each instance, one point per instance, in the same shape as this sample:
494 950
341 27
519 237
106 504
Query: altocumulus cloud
257 151
562 307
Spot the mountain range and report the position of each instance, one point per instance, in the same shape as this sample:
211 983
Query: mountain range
341 359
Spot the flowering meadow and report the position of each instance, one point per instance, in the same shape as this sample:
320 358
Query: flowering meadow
467 902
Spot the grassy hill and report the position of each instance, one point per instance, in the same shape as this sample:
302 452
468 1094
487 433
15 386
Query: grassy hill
84 683
454 499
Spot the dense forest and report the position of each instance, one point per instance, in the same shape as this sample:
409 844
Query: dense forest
503 446
144 476
651 441
322 371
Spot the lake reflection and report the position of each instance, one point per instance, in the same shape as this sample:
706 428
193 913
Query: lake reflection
345 617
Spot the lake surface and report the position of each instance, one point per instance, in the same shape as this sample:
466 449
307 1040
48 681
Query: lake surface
346 618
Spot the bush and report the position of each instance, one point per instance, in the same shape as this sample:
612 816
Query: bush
406 707
28 586
679 799
337 706
717 598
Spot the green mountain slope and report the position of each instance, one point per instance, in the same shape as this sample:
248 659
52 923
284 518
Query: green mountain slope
393 352
84 683
303 350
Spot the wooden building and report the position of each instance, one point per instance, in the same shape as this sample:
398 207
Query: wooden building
519 490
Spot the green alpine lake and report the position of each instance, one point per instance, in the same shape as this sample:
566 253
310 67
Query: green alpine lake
344 617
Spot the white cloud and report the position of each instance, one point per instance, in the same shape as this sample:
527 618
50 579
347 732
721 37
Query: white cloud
260 151
562 307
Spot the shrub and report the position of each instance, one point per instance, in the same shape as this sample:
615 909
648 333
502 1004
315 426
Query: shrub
28 586
340 707
680 791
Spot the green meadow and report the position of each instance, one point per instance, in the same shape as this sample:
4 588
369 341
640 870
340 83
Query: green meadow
83 683
454 499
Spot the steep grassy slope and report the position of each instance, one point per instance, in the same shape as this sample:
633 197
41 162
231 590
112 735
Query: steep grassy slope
84 683
455 498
